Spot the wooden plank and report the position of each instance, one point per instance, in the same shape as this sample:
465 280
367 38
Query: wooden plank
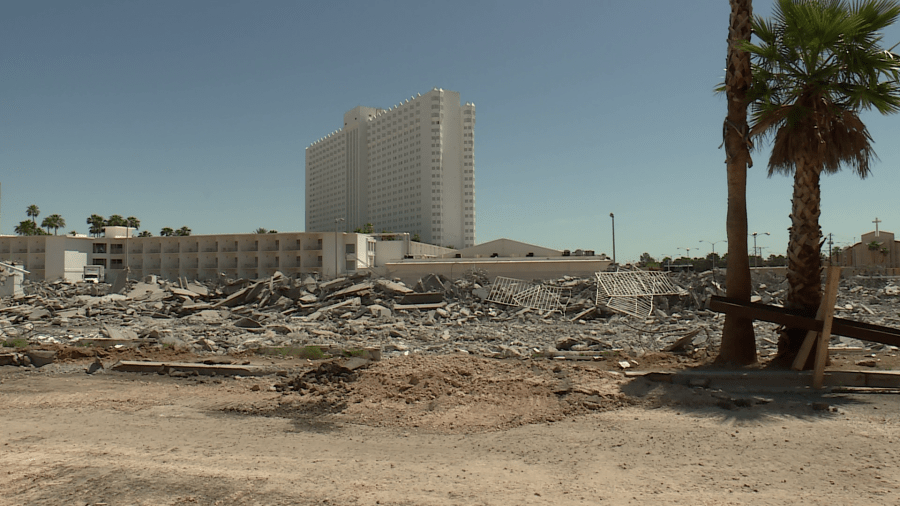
866 331
757 311
831 288
421 307
782 316
422 298
189 367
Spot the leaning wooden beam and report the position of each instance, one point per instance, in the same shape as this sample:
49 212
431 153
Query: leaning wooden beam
831 287
824 315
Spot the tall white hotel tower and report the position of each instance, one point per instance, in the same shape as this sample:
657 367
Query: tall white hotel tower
410 168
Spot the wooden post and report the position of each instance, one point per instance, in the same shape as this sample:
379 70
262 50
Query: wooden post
831 286
824 314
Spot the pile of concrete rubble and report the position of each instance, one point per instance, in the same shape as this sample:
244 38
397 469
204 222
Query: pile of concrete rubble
436 315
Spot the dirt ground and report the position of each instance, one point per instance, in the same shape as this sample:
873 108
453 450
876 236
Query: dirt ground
435 430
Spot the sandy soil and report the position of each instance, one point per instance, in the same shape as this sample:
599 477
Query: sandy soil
435 430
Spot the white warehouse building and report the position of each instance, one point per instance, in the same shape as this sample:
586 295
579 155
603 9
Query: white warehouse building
409 168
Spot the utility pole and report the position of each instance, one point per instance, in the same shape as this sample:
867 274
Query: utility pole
830 249
611 215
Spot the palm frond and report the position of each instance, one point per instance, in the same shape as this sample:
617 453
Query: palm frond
816 64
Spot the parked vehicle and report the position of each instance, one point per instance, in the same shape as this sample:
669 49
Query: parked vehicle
93 274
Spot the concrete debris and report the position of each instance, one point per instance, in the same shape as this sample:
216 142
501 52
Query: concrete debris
226 317
40 358
95 366
333 374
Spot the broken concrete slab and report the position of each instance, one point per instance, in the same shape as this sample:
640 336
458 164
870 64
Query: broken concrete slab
353 363
10 358
118 333
40 358
354 302
198 289
38 313
183 293
95 366
247 323
356 289
279 329
392 287
682 342
146 292
308 299
379 311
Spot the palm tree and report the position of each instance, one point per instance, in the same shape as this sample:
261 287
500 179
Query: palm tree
116 220
55 222
166 232
183 231
818 64
132 222
738 339
145 233
32 211
96 222
261 230
26 228
877 247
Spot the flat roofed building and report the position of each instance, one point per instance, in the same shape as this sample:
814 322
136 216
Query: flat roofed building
409 168
202 257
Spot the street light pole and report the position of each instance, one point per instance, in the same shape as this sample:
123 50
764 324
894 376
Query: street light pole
611 215
713 244
336 253
755 254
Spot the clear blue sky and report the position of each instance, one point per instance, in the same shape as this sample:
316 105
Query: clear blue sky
198 113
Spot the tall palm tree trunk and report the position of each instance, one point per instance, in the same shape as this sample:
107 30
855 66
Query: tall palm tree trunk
804 270
738 339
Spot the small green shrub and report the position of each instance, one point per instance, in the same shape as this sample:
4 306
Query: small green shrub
307 352
311 353
15 343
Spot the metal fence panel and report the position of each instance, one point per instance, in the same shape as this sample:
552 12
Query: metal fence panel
516 292
632 292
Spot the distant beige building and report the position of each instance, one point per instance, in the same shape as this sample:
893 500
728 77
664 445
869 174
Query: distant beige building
875 250
501 257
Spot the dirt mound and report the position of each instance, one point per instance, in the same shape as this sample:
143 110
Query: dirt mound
450 393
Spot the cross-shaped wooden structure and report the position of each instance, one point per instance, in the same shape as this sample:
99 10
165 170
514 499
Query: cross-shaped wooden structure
823 325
